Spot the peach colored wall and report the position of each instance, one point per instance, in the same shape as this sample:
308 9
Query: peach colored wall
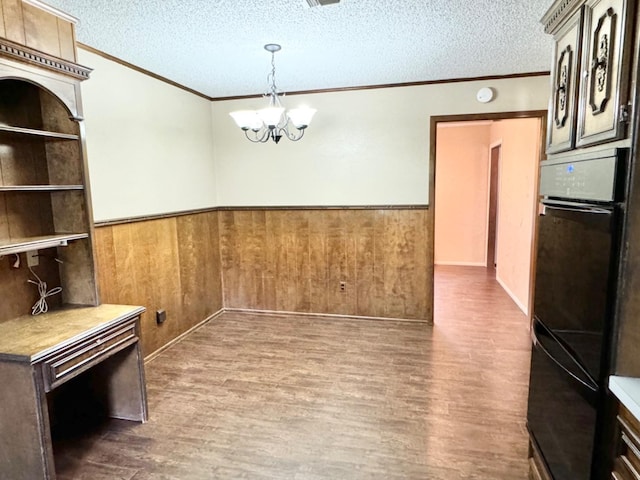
461 194
517 204
462 162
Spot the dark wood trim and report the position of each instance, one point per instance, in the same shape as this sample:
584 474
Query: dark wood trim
144 218
471 117
329 207
393 85
142 70
16 51
328 316
182 336
307 92
541 114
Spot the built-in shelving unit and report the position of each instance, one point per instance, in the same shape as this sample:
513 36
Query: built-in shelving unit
8 129
20 245
45 207
44 204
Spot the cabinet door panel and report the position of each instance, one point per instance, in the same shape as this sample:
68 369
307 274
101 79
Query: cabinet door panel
564 88
605 71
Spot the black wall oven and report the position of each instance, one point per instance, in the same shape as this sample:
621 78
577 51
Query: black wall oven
574 305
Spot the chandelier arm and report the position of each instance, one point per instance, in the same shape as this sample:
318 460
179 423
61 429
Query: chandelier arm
261 138
293 136
274 121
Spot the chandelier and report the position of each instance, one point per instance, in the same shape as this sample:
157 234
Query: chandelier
273 122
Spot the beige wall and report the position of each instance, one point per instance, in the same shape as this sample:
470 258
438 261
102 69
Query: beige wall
517 201
364 147
149 144
153 148
462 161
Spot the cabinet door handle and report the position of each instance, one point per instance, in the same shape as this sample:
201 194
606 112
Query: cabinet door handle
598 62
623 116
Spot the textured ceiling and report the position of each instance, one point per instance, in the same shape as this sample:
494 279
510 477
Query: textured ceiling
215 46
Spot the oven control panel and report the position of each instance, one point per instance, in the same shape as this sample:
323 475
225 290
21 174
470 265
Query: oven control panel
590 179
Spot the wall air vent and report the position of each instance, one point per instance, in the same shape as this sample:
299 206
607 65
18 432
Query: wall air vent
321 3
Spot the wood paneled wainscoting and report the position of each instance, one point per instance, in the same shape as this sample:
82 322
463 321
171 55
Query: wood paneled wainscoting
170 263
294 260
194 265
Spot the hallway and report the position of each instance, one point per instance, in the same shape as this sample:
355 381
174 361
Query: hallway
282 397
484 338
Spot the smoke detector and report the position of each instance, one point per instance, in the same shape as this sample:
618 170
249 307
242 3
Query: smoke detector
321 3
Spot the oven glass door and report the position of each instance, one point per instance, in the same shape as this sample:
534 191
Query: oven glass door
562 407
573 278
572 308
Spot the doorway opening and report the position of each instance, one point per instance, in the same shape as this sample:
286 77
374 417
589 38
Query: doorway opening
494 194
483 192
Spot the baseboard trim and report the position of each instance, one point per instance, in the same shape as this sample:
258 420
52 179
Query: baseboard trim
333 316
512 295
180 337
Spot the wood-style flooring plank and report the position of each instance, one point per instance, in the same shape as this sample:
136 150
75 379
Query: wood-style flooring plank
317 398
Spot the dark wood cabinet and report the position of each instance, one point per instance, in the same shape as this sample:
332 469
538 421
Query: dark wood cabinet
565 75
627 462
590 72
604 87
593 82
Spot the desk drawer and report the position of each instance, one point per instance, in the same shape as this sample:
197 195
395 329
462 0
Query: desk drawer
80 356
627 463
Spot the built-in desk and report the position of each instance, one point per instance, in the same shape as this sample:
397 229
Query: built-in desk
40 353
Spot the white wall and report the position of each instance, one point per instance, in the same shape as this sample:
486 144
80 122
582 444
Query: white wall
364 147
149 144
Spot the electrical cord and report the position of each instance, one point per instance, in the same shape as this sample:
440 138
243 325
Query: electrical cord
41 305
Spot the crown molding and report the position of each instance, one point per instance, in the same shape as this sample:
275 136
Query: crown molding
16 51
558 13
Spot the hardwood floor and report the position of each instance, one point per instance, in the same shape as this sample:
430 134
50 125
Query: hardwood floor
275 397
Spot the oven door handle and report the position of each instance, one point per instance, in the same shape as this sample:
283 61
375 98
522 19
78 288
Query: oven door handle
537 343
575 207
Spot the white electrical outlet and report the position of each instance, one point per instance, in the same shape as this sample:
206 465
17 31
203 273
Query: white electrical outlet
32 258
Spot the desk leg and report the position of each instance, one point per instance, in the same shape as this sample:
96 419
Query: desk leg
25 439
126 385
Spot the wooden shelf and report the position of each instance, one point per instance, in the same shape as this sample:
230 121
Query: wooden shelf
44 198
20 245
39 188
37 133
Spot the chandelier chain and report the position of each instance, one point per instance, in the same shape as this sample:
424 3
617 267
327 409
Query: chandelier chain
271 77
